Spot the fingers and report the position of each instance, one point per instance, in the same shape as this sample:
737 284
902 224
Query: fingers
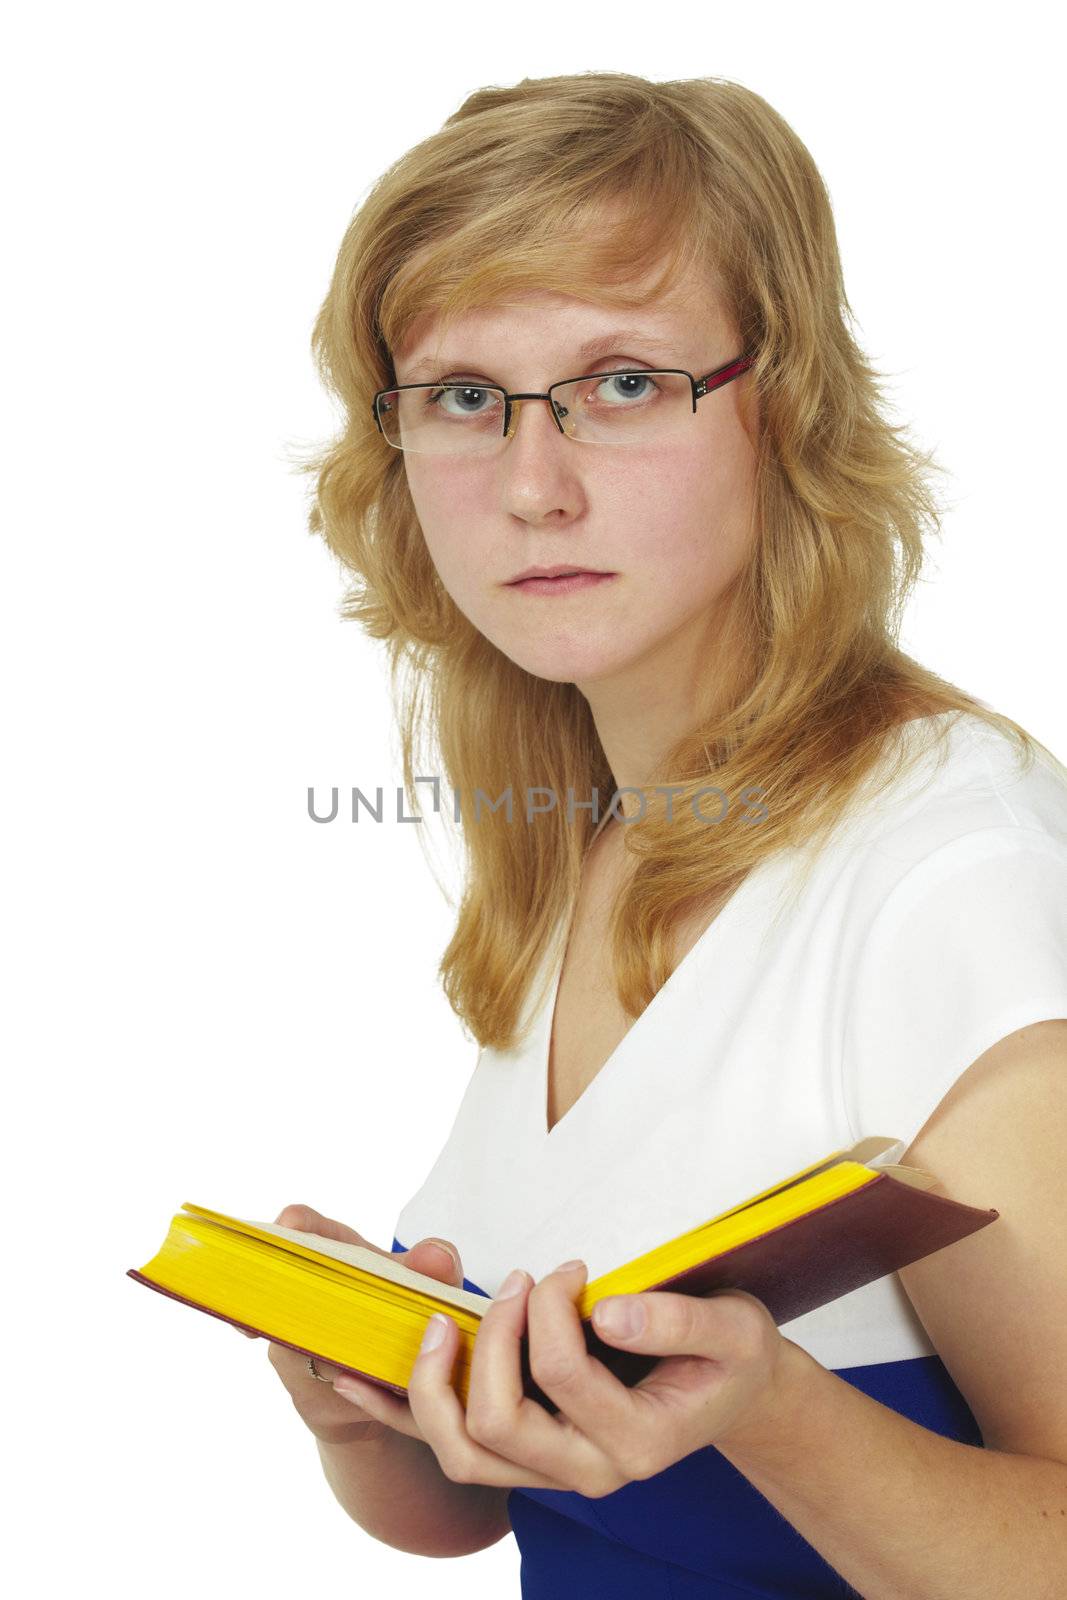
392 1409
433 1257
436 1258
498 1411
496 1393
592 1398
292 1366
473 1447
307 1220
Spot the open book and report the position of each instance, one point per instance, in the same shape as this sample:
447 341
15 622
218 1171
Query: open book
825 1231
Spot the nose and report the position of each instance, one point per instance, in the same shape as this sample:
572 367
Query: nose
538 403
540 476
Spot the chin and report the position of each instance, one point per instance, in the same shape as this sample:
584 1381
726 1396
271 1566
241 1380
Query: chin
580 668
565 656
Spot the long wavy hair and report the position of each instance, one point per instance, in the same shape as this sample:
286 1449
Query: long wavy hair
811 685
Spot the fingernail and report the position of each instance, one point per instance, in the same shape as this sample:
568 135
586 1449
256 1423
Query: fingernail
439 1244
511 1285
570 1266
623 1317
435 1331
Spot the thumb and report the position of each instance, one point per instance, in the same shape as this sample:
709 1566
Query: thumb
718 1326
437 1258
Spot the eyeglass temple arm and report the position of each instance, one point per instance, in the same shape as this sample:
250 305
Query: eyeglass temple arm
724 374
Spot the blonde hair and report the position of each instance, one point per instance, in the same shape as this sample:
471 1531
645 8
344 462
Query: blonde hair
811 683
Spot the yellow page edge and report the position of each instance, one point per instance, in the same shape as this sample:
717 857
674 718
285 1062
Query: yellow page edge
430 1288
712 1238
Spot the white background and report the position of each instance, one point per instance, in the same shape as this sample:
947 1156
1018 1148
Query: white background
211 998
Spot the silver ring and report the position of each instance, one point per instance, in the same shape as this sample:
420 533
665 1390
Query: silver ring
315 1373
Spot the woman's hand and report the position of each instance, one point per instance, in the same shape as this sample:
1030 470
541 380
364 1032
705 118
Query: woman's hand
332 1419
723 1362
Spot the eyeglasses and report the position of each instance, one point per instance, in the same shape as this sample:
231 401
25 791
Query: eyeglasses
636 406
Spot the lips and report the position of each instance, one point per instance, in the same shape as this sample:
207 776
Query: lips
557 577
557 572
563 584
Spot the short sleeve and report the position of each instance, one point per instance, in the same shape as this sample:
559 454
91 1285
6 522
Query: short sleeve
968 946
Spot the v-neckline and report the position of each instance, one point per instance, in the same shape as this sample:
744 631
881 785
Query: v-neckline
568 1121
565 1126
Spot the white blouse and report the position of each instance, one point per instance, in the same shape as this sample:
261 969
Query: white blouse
810 1013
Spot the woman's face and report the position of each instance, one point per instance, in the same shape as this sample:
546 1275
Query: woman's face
669 520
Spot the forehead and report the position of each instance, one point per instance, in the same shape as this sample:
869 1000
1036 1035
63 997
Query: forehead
545 321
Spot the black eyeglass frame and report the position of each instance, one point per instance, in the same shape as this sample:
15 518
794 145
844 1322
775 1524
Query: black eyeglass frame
699 386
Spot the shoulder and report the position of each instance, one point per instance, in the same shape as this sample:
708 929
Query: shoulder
1000 779
955 933
965 794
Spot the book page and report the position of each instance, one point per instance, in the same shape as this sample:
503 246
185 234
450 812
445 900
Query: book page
352 1255
874 1151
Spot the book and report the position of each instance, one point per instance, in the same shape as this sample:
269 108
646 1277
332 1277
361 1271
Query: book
823 1232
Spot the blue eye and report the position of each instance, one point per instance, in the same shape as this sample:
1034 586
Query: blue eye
629 378
463 395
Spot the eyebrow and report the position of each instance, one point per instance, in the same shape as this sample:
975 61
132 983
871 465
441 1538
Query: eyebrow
588 350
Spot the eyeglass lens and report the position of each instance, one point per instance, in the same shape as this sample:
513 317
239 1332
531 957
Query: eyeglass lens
465 419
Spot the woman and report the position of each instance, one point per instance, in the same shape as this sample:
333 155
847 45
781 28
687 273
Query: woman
829 900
